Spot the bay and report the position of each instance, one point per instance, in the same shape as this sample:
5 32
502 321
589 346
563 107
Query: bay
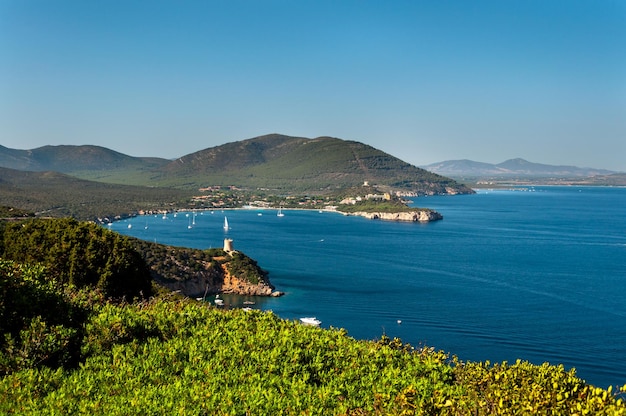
537 274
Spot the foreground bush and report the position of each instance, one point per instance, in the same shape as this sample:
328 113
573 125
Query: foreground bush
80 254
179 357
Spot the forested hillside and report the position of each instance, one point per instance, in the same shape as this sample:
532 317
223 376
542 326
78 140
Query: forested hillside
79 254
298 164
59 195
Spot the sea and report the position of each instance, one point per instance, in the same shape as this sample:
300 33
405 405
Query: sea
531 273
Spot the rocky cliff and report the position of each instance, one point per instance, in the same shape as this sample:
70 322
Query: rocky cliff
195 272
410 216
215 281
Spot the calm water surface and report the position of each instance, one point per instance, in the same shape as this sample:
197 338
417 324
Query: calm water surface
538 275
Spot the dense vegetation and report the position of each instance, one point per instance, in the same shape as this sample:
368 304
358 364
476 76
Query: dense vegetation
79 254
376 206
67 348
84 254
295 164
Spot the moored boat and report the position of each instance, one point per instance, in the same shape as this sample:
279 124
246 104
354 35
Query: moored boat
313 321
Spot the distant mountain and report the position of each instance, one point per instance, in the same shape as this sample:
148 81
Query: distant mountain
275 162
70 159
512 168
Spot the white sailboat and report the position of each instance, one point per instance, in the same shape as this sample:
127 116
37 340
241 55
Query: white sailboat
226 227
280 212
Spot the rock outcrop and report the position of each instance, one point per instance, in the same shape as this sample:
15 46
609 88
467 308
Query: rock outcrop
410 216
195 272
233 284
215 280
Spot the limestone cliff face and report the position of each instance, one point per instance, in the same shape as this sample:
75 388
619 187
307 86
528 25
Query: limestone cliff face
232 284
214 279
411 216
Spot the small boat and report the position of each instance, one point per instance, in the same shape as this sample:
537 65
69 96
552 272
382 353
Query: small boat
280 213
310 321
130 226
226 227
218 301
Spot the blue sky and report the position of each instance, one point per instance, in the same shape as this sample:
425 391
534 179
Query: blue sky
426 81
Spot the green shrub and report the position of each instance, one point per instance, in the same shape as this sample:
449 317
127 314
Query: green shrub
80 254
40 323
181 357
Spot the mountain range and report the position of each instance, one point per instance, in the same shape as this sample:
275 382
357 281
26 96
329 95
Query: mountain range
275 162
512 168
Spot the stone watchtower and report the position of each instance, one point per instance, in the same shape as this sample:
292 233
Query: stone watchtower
228 245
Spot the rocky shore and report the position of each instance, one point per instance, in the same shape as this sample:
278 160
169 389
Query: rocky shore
224 283
195 272
424 215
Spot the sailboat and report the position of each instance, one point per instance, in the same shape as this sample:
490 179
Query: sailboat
226 224
280 213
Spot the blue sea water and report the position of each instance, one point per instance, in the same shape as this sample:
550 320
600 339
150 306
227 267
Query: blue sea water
537 274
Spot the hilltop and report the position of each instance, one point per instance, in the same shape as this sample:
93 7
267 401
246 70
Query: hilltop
297 164
275 162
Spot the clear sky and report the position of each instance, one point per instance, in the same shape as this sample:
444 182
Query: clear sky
426 81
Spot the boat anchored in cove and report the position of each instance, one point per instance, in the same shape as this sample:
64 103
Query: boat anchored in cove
313 321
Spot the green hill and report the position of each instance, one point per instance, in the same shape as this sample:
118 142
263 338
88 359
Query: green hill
87 162
274 162
296 164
